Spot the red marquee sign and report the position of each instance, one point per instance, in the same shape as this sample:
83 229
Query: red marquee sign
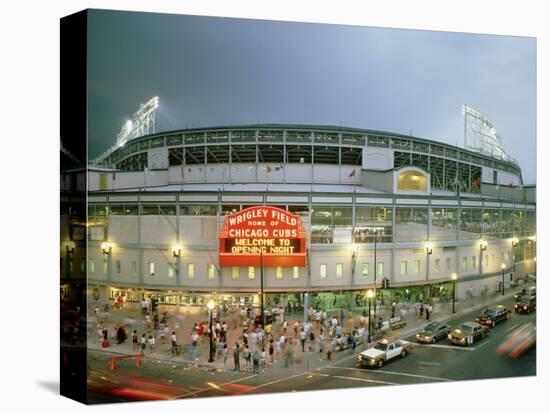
263 236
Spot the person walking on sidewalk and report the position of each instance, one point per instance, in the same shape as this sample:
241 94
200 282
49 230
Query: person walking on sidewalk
225 354
303 339
393 310
135 344
247 357
237 357
271 351
421 311
330 349
428 310
174 343
256 362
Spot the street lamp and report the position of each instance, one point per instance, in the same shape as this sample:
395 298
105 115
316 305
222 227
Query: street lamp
69 250
262 317
210 305
454 277
502 266
107 247
370 294
176 253
482 248
429 251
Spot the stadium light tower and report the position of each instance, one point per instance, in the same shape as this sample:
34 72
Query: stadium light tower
142 123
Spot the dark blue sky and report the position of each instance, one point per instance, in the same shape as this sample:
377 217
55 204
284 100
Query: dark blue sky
216 71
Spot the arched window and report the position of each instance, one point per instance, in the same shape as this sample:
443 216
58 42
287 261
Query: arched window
411 181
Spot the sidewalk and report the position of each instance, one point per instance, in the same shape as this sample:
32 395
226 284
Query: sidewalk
299 361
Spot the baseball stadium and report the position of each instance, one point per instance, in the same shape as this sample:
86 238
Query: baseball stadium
298 215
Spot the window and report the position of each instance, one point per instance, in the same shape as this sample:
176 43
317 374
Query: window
71 266
171 269
251 273
416 265
211 271
82 266
91 266
448 264
235 272
411 181
105 266
339 270
437 265
365 270
295 272
380 269
190 270
464 263
151 268
474 262
133 268
279 272
403 267
323 271
118 267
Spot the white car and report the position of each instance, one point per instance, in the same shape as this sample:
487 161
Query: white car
383 351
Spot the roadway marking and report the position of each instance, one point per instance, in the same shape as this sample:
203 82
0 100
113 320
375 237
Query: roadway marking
511 328
275 381
392 373
365 380
198 390
432 364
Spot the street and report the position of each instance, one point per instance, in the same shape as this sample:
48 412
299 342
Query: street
440 362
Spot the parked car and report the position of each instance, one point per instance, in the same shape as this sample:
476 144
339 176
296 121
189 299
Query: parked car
467 334
530 291
526 304
383 351
433 332
493 315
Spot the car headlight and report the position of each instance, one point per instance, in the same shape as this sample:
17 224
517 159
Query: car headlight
525 308
463 340
449 336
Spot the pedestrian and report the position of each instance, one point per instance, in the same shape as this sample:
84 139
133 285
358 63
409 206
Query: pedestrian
321 343
142 343
236 357
295 328
151 344
311 340
421 311
393 310
247 357
135 344
428 309
271 351
174 342
330 349
303 339
256 362
224 354
121 334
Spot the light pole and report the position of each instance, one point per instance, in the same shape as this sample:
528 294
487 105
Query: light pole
375 272
69 251
176 253
262 289
502 266
482 248
369 297
210 306
453 277
429 251
107 249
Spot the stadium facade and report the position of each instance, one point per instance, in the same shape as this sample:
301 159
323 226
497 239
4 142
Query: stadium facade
406 211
